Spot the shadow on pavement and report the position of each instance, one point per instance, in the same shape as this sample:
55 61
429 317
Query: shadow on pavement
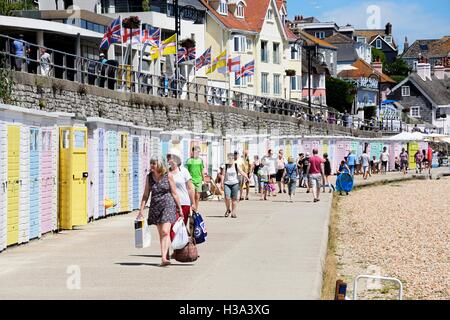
137 264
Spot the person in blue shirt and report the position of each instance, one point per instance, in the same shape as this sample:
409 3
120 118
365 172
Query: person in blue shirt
19 51
291 176
351 162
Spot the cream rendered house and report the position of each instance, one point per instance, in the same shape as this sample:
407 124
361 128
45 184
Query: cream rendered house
256 31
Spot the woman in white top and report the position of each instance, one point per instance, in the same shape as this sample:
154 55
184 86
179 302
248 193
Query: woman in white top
231 185
183 182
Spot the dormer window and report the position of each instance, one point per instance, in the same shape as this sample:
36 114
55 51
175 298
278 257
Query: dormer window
388 39
361 39
240 10
223 7
270 15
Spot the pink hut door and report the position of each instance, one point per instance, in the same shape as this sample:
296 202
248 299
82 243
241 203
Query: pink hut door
46 182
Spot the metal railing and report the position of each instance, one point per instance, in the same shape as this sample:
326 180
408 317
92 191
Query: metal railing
112 76
355 284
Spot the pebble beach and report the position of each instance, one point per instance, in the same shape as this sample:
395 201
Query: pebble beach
399 230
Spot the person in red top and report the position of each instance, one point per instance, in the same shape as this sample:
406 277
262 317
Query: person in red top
429 158
316 175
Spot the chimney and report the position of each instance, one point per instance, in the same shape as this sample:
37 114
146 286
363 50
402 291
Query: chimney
406 44
377 66
424 70
388 29
439 72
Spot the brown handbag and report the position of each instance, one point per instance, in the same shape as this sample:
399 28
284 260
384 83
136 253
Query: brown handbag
188 254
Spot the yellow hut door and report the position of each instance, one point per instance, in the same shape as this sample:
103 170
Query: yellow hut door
79 178
13 184
124 172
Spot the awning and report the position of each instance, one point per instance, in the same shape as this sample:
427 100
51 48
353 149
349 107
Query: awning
408 136
17 23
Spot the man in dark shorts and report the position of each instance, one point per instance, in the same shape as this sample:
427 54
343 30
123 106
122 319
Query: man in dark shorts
305 173
301 156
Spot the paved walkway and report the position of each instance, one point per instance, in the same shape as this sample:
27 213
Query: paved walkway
272 251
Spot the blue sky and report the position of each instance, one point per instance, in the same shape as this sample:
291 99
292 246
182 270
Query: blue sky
415 19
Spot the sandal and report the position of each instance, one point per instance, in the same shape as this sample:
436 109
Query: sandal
164 264
227 213
233 216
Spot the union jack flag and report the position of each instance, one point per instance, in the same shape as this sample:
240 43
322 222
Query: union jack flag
186 54
248 70
203 60
112 35
151 36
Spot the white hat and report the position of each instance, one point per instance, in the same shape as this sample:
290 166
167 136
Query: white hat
176 155
102 54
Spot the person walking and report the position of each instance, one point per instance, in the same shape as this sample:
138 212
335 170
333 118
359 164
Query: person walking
270 162
429 158
231 185
404 161
195 167
45 60
384 158
291 175
418 157
19 52
263 177
163 204
301 156
246 168
183 183
365 163
327 172
280 172
351 161
305 172
255 168
316 175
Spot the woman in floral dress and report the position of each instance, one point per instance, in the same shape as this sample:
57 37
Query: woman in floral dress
164 203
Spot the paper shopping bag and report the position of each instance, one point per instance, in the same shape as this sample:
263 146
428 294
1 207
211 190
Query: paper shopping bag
142 235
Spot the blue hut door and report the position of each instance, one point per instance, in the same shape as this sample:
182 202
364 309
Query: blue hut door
135 173
34 184
112 169
101 172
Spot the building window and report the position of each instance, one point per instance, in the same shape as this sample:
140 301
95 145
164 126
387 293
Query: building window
295 83
249 45
361 39
406 91
264 51
378 44
276 53
388 39
239 43
295 52
415 112
223 7
265 83
276 84
320 35
240 11
270 15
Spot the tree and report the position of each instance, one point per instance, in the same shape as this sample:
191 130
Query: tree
7 7
376 53
340 94
397 70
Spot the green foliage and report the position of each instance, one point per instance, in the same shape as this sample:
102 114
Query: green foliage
6 7
146 5
6 81
370 112
397 79
340 94
377 53
397 68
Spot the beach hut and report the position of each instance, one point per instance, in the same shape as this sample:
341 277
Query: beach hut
24 184
73 173
3 184
35 181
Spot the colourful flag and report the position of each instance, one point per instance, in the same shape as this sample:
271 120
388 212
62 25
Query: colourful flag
234 64
169 46
112 35
151 36
154 53
135 36
186 54
219 62
249 69
203 60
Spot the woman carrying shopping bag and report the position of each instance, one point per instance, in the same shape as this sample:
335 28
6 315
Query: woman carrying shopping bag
231 185
164 203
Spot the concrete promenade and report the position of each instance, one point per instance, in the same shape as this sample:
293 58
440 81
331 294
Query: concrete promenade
273 250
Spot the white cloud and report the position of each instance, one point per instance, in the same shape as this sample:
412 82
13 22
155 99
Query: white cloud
411 20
